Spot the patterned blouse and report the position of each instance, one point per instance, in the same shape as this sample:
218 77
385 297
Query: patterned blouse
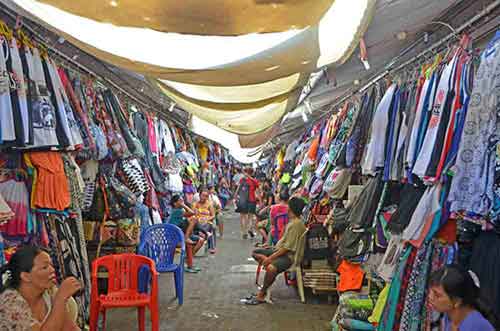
15 313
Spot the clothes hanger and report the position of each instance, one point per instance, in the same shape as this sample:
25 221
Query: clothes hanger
5 31
24 39
437 61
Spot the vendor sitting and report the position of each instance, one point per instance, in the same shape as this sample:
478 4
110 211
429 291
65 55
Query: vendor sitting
183 216
29 299
280 258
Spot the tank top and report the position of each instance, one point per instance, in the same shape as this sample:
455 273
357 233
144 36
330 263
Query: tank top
203 211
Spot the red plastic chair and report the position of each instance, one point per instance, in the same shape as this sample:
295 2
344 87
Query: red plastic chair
123 288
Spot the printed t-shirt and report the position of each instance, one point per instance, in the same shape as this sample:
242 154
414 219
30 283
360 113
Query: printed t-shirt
252 186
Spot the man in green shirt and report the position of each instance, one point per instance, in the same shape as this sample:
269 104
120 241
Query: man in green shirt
281 257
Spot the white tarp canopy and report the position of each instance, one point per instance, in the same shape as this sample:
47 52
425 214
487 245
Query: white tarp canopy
239 65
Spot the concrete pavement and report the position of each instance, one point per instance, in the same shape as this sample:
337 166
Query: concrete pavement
212 297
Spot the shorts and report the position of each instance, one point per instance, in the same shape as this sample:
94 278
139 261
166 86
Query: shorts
282 263
249 208
184 225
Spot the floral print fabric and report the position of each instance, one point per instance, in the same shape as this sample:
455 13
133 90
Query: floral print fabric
15 313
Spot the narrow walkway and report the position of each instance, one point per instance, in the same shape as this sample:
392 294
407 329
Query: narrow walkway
212 297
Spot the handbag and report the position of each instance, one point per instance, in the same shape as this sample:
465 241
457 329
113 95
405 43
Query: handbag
127 233
115 140
121 200
133 143
97 209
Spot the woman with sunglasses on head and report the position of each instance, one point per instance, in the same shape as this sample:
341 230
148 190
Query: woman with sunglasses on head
28 301
454 292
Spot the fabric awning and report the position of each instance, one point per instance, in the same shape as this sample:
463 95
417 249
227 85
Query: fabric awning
223 72
202 17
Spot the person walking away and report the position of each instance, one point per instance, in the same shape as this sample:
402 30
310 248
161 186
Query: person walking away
224 193
246 202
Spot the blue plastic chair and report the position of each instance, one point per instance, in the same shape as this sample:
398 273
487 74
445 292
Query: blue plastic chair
159 242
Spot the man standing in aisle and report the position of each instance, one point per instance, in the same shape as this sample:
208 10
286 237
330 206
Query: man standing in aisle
246 202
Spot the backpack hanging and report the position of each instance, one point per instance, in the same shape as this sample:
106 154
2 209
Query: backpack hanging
317 243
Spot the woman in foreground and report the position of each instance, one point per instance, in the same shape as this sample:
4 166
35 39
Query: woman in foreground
28 298
454 292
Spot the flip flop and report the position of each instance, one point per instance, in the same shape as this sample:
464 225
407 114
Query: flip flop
190 271
254 302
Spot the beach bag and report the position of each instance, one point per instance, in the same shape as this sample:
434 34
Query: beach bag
121 200
101 144
97 209
127 233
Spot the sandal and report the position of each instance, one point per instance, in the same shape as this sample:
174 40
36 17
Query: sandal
254 302
190 271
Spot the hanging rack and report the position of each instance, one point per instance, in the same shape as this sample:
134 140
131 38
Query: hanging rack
432 50
41 41
388 69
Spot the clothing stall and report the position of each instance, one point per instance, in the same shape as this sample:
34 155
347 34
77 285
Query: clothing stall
419 144
83 170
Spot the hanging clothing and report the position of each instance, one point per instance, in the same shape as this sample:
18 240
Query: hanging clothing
440 155
7 127
19 96
484 263
43 111
423 216
52 190
417 123
351 277
16 195
374 155
439 113
472 185
152 134
392 134
5 212
65 118
166 143
426 114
